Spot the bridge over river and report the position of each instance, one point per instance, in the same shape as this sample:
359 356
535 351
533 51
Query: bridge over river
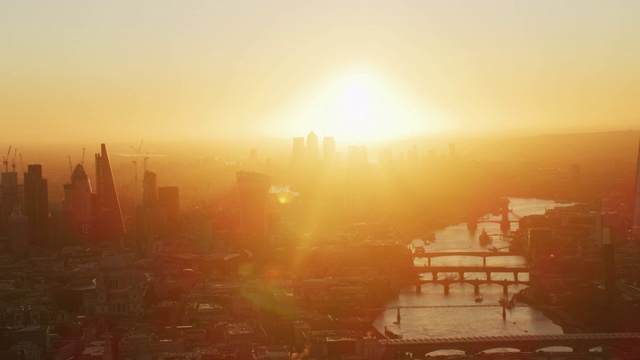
483 254
462 272
579 343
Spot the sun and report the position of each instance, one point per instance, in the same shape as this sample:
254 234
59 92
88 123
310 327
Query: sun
361 106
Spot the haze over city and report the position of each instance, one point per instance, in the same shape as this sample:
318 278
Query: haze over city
365 70
319 180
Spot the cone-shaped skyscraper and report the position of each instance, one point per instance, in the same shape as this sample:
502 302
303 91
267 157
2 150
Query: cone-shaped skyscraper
77 205
109 215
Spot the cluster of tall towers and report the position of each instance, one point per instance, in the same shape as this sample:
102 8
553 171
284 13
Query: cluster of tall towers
309 151
158 212
24 209
89 216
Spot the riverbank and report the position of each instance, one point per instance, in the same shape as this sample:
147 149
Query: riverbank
554 313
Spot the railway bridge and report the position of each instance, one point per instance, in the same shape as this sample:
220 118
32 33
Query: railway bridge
579 343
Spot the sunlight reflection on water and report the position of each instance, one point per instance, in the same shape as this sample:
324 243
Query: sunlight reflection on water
456 314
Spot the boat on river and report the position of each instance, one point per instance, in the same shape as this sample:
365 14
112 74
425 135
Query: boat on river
484 238
478 298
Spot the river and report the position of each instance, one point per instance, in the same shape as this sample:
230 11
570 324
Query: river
432 313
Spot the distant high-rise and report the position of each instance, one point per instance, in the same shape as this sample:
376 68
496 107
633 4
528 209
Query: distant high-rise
253 189
149 190
77 208
9 198
328 148
36 205
312 146
636 204
109 215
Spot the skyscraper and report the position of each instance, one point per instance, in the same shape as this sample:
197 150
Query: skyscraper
9 198
636 203
147 216
253 189
77 208
36 205
149 190
109 215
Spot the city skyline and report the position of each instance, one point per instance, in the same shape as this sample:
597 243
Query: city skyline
360 70
319 180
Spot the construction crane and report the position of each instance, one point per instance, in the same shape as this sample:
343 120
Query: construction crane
21 163
5 160
70 166
13 162
83 149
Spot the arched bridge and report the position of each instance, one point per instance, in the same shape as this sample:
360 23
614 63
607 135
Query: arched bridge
483 254
461 272
580 343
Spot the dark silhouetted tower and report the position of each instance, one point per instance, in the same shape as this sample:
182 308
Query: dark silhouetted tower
636 204
253 189
36 205
149 190
77 208
147 216
9 198
109 215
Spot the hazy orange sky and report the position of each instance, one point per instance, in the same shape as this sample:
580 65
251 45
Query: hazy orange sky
127 70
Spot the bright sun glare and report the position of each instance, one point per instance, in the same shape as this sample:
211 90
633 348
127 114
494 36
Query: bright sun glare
361 106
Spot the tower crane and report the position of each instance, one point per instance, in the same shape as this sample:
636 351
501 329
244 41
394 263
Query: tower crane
70 166
146 160
21 163
13 162
5 160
